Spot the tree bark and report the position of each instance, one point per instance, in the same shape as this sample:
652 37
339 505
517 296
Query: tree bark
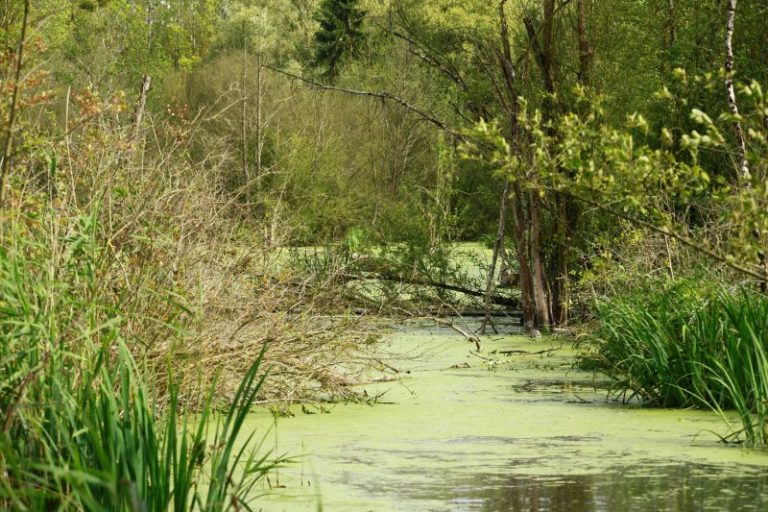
521 249
519 224
585 48
568 211
538 274
741 149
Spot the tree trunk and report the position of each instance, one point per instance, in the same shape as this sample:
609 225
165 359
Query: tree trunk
538 274
259 100
519 199
568 211
741 150
521 246
244 113
585 48
141 104
498 247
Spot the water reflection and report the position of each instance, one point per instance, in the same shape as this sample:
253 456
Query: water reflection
674 487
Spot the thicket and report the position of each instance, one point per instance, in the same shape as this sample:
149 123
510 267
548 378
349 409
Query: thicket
135 302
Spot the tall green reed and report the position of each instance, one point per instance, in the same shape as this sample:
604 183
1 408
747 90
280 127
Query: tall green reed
676 349
80 427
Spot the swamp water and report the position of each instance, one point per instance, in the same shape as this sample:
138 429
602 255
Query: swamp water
519 432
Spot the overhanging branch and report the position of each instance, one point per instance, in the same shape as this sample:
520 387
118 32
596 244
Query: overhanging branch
687 241
384 95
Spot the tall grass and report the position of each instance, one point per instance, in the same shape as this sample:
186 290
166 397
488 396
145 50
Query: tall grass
79 427
677 349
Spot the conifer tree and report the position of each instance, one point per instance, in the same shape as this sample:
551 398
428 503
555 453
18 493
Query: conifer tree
339 36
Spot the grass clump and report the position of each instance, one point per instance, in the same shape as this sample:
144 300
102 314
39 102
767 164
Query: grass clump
682 347
80 428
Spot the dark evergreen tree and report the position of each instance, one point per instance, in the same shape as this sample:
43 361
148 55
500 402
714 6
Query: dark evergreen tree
340 34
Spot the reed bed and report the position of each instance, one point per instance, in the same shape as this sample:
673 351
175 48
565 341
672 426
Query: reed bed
138 306
678 349
82 426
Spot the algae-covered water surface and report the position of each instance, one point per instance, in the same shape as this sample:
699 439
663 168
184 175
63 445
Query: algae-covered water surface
506 432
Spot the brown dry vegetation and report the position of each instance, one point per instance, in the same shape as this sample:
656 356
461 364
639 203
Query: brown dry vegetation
196 289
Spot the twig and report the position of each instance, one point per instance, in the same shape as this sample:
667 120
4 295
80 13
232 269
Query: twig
481 357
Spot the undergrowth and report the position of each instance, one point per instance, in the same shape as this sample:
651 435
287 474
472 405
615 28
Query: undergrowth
82 425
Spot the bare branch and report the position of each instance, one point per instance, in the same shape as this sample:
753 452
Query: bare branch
7 149
687 241
384 95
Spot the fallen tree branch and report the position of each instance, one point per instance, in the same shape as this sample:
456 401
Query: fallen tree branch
471 337
525 352
495 299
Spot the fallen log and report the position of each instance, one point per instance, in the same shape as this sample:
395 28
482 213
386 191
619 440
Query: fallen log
417 281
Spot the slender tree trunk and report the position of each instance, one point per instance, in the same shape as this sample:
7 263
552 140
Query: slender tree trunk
498 247
244 114
548 45
519 198
521 248
527 231
259 100
538 274
549 304
585 48
141 106
741 150
8 145
671 28
568 211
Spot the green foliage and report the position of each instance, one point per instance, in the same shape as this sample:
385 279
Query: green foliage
628 176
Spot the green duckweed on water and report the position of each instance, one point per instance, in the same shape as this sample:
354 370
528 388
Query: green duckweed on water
524 431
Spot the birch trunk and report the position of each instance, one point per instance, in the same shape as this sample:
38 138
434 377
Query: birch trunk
741 149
